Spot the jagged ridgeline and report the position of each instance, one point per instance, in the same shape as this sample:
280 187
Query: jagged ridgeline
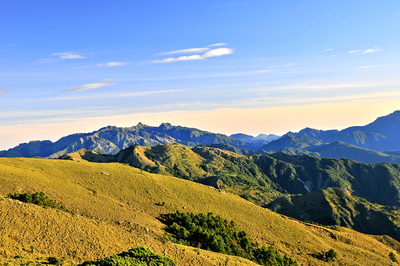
376 142
111 139
115 208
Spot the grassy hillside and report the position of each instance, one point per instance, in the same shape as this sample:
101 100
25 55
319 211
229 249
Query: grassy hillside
207 165
260 178
116 208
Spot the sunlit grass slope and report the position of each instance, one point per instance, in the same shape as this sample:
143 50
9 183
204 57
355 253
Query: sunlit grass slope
116 207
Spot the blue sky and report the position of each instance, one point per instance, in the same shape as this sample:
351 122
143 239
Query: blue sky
224 66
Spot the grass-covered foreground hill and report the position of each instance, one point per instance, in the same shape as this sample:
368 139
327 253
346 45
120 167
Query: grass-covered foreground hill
116 207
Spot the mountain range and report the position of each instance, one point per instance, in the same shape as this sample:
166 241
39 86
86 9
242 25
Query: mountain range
376 142
370 143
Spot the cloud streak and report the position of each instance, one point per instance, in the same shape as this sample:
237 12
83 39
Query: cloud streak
113 64
181 58
264 71
89 86
3 91
218 44
218 52
269 69
366 51
116 95
365 67
210 53
187 51
61 56
328 86
68 55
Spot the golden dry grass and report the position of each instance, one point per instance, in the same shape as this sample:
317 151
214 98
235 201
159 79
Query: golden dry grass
117 207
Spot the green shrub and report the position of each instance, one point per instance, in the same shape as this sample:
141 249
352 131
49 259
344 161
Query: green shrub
136 256
327 256
213 233
38 198
392 256
55 260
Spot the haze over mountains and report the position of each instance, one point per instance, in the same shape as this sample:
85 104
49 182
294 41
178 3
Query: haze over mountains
375 142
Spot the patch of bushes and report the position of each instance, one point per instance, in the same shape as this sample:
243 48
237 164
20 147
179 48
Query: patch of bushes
327 256
136 256
38 198
392 256
55 260
149 153
211 232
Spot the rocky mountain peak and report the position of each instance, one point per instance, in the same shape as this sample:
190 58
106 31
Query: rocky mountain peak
165 126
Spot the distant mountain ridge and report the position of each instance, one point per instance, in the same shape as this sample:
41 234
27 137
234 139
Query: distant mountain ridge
111 139
381 135
366 144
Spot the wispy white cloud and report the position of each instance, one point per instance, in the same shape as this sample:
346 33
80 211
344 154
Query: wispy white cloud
187 51
210 53
322 86
116 95
181 58
288 65
264 71
328 50
61 56
3 91
89 86
366 51
100 96
113 64
218 52
357 97
358 51
371 50
364 67
218 44
68 55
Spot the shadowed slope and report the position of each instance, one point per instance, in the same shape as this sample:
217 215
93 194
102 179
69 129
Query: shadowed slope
335 206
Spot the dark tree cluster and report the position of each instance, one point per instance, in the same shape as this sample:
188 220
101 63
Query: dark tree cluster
136 256
327 256
213 233
38 198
